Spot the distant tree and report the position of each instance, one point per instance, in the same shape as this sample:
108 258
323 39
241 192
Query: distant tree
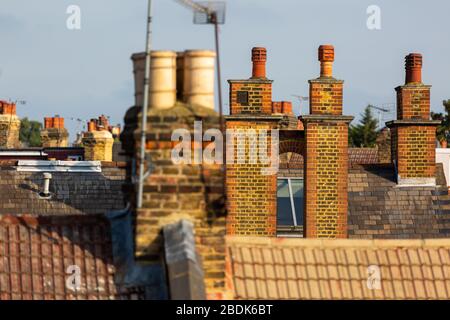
443 130
30 133
365 133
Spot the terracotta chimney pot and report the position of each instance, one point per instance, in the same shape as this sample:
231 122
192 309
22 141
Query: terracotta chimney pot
413 66
259 58
326 58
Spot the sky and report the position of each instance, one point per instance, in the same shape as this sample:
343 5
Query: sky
88 72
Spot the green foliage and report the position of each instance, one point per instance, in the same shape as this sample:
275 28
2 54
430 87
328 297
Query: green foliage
443 130
365 133
30 133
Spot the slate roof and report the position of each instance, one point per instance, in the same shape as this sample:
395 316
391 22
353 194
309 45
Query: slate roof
72 192
275 268
380 209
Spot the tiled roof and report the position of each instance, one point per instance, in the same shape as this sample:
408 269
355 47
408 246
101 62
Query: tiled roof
36 254
363 155
274 268
355 156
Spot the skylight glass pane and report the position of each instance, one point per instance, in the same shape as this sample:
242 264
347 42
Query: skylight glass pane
297 190
284 210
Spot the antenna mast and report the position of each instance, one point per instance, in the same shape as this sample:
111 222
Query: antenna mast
144 107
212 12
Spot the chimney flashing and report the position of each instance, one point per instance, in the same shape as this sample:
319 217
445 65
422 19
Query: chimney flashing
413 85
326 80
251 80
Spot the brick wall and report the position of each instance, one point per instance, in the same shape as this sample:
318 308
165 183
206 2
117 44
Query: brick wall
383 145
251 195
414 149
326 180
413 102
251 97
326 96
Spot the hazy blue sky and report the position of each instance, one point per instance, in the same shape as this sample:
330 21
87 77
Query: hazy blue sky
87 72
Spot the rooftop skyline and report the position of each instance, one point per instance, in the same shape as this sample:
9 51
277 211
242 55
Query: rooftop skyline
88 72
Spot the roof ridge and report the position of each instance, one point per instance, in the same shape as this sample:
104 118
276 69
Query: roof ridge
338 243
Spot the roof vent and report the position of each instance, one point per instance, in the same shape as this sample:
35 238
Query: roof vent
45 194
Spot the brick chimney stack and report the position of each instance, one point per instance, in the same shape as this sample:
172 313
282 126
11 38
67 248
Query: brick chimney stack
54 134
326 58
9 125
413 134
98 141
259 58
326 154
250 212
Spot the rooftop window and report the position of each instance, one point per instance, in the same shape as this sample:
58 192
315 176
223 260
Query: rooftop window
290 207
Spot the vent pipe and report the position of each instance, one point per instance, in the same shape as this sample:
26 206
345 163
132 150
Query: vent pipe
46 192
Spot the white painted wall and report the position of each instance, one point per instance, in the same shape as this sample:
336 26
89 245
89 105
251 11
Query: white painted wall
443 156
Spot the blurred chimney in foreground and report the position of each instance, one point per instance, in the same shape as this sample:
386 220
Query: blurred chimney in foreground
198 78
162 93
186 76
